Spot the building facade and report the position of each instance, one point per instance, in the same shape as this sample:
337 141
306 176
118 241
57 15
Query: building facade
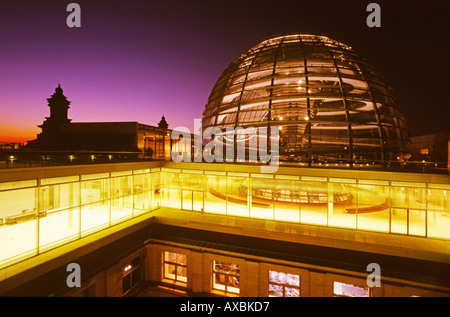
433 149
59 133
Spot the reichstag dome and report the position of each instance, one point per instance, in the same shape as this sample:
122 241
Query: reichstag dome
329 104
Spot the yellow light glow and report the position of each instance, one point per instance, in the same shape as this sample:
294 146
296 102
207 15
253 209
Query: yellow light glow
127 268
306 118
61 223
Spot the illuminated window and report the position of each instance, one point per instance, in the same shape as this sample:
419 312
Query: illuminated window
226 277
349 290
131 275
423 151
284 284
175 267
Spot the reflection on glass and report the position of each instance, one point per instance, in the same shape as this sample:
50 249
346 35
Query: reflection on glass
237 196
43 216
349 290
171 192
330 105
288 199
175 267
284 284
262 198
59 227
18 224
225 277
131 275
215 194
373 207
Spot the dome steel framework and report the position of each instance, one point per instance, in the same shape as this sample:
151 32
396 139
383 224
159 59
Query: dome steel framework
328 103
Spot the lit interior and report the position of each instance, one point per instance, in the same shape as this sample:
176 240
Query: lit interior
37 216
329 104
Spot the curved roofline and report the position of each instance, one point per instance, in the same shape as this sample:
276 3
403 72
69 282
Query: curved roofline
293 35
304 35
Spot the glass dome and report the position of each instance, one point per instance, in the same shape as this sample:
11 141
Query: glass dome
328 103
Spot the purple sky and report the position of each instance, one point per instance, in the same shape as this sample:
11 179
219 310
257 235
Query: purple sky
138 60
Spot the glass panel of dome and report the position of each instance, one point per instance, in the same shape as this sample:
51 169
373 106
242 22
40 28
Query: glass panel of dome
230 97
290 69
254 74
356 83
346 71
254 94
364 117
241 71
316 71
257 83
325 57
235 88
252 116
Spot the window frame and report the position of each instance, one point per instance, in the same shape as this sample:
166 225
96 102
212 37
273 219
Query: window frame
227 275
132 267
177 265
283 285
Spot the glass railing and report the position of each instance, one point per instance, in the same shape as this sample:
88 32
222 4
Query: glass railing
39 214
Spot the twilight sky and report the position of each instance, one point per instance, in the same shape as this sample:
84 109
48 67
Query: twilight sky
136 60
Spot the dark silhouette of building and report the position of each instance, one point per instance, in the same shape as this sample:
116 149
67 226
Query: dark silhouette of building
163 123
59 133
433 148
